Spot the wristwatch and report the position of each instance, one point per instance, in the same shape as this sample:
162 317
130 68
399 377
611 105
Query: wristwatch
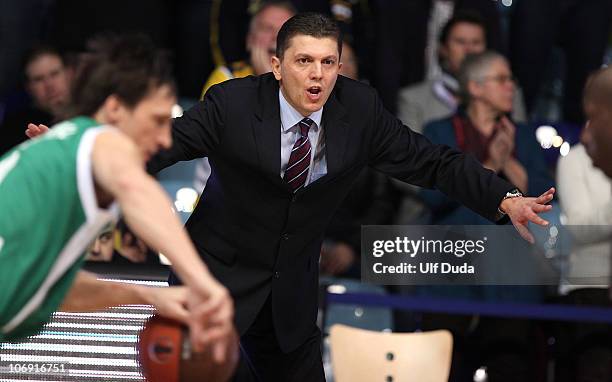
514 193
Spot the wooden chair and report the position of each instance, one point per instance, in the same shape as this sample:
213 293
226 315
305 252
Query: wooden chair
361 355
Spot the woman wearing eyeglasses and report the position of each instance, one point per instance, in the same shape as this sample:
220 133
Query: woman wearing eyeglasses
483 128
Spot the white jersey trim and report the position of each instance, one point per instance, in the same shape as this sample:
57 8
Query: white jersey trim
85 181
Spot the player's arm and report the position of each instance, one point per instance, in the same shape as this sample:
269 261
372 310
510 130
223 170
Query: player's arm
89 294
119 170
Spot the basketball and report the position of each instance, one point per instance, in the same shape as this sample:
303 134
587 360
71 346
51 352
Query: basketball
165 355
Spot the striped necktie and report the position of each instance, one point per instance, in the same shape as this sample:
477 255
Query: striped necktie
299 160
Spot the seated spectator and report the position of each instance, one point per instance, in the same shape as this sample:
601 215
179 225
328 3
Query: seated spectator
260 43
482 127
119 245
102 248
437 98
130 249
47 80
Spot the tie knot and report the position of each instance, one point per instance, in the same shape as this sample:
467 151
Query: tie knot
305 125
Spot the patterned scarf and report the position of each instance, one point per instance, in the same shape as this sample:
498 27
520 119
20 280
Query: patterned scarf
469 138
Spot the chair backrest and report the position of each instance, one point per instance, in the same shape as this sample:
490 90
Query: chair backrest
362 355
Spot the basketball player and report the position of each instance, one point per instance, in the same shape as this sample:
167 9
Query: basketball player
58 191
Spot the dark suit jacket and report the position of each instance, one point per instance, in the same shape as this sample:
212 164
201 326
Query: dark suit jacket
253 233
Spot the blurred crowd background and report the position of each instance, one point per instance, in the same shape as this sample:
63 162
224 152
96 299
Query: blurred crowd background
500 79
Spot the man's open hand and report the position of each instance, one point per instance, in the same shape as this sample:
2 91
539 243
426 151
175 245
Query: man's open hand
523 210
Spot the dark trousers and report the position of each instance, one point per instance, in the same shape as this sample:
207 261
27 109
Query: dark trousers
262 360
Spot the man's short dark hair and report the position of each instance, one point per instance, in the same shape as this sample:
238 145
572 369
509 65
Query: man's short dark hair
128 66
308 24
468 17
37 51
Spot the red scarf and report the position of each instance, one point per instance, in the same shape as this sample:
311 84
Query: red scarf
470 139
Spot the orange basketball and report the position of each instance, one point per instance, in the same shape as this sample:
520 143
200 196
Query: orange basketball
165 355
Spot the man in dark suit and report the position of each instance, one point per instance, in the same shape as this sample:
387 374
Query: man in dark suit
284 149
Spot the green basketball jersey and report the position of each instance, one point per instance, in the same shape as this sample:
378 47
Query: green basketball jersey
48 217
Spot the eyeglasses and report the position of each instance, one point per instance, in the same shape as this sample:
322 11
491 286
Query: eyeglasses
500 79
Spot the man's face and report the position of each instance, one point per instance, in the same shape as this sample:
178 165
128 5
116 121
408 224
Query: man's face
102 247
496 88
148 123
597 136
463 39
48 82
265 27
307 72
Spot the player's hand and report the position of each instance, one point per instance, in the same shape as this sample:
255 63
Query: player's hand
211 320
35 130
522 210
170 302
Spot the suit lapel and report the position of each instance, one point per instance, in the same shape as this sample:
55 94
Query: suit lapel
335 128
266 128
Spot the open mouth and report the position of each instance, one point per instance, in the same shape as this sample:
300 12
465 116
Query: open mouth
314 93
314 90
